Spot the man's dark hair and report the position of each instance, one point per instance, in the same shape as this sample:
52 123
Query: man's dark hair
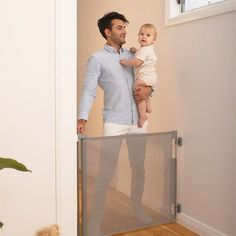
106 21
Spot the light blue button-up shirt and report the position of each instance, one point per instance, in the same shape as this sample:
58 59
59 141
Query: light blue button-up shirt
103 69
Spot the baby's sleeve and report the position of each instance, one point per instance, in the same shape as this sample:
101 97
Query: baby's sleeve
142 53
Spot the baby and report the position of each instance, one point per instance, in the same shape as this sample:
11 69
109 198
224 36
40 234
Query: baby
144 67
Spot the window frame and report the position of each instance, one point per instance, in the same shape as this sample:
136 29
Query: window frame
198 13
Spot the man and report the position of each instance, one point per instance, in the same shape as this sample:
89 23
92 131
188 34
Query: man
120 114
103 69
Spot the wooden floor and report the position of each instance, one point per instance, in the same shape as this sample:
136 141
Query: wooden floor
172 229
119 205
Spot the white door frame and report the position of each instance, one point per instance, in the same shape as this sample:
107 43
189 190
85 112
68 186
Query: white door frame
66 102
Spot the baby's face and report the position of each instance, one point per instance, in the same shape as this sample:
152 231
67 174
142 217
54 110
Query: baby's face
146 36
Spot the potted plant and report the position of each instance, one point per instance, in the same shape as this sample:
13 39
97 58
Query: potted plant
13 164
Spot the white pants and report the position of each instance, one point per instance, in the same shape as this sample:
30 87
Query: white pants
111 129
110 150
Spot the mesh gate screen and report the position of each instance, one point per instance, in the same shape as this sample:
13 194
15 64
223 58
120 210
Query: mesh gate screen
127 182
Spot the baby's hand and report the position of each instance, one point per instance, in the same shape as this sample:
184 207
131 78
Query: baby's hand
123 62
133 50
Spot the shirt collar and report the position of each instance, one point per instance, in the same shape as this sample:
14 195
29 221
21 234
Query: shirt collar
112 49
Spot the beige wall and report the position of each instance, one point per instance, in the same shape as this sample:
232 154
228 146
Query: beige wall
196 96
89 39
199 60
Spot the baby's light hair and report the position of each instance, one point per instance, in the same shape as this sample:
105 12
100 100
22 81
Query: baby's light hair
152 27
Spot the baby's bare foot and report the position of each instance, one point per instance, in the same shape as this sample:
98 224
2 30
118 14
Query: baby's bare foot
141 122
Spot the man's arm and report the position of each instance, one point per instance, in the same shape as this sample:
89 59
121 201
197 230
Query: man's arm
89 93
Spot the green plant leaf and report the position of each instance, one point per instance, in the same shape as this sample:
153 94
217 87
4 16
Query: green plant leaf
13 164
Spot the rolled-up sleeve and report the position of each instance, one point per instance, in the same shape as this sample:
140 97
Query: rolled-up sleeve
93 72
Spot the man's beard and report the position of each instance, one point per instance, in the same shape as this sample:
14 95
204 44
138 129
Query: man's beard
122 43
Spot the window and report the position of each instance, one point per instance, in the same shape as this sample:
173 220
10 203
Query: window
180 11
187 5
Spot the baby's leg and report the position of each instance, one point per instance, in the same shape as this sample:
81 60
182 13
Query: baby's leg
148 105
142 113
142 106
139 82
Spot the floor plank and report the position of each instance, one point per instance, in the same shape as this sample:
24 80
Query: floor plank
172 229
180 230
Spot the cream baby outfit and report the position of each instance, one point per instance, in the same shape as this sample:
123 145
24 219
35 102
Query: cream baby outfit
147 71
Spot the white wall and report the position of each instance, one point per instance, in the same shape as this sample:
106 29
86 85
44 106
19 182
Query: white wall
38 115
66 117
27 120
195 96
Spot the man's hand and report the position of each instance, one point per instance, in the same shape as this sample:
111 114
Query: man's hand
133 50
142 93
81 126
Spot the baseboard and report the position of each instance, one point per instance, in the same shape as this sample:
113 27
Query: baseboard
197 226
